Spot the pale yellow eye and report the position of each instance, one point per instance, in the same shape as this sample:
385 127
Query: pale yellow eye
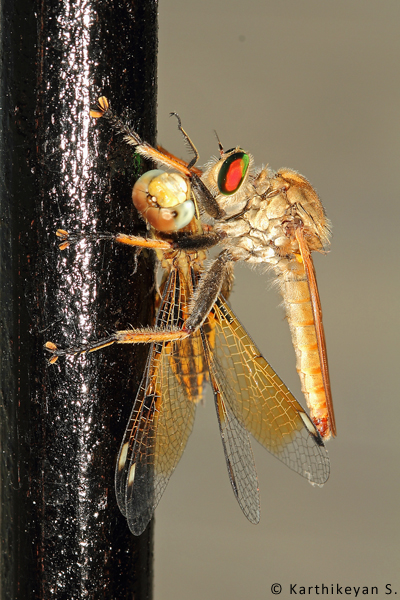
170 189
164 200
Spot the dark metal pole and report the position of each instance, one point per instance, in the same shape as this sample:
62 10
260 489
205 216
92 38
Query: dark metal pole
62 535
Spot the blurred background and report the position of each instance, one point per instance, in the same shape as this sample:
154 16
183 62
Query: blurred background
314 86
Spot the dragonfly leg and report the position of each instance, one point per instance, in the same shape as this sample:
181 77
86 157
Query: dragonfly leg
203 194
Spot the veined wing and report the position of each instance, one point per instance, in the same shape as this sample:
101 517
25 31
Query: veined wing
159 427
237 447
161 420
260 400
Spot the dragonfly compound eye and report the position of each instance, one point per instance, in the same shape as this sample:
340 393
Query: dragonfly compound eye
232 172
163 199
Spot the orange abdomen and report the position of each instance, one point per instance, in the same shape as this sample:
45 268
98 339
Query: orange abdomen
296 294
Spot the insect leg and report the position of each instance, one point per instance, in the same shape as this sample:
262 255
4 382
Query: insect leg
203 194
203 241
208 291
187 140
162 156
132 138
130 336
205 198
122 238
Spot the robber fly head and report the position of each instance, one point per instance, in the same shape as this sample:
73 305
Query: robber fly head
164 200
228 176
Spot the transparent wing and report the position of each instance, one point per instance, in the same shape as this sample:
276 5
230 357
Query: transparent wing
162 416
237 448
260 401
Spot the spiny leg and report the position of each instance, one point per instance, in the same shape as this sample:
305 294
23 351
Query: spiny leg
133 139
121 238
129 336
190 243
187 140
208 290
205 198
203 301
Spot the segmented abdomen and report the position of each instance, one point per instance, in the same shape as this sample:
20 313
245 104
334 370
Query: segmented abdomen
296 294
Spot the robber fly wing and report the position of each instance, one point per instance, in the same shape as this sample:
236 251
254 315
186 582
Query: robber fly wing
260 400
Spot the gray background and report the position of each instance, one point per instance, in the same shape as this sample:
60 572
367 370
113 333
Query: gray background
311 85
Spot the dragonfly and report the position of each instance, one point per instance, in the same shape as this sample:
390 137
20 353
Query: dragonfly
196 338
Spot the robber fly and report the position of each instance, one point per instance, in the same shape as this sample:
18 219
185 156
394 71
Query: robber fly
261 217
193 342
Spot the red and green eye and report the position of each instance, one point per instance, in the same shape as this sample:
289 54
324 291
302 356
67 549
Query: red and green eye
232 172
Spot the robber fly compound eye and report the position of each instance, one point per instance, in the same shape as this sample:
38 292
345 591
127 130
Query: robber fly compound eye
233 171
164 200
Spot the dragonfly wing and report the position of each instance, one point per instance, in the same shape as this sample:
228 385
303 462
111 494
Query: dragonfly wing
260 400
162 416
135 455
237 449
155 438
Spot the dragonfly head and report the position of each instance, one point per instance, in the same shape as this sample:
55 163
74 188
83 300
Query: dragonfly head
164 200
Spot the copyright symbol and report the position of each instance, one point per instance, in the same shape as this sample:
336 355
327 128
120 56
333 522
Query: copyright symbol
276 588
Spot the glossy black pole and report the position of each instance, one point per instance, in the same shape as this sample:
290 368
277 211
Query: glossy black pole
62 535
